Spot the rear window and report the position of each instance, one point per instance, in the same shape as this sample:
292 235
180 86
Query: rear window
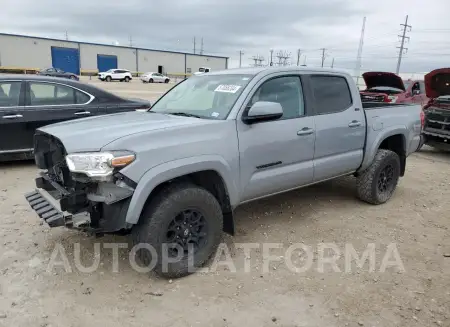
331 94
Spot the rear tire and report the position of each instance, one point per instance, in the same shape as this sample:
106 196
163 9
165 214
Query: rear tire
166 81
108 78
150 80
73 77
377 184
161 214
127 79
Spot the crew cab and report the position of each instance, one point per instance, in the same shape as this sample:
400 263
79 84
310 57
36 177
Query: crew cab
122 75
436 132
389 87
174 175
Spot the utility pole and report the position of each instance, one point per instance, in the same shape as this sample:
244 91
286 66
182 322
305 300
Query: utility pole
271 56
240 58
332 63
194 44
131 40
201 49
298 57
66 35
360 49
323 55
402 46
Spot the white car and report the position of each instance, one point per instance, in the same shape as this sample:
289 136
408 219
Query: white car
154 78
202 70
115 75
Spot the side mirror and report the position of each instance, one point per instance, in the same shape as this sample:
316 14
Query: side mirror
263 111
416 92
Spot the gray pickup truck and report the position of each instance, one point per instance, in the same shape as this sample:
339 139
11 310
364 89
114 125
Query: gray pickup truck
172 176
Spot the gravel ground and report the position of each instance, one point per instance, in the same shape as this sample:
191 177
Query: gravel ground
415 220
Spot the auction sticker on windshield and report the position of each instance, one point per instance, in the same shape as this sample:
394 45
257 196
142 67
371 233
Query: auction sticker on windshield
227 88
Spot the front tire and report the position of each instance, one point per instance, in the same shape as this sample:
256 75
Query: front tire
108 78
127 79
182 214
150 80
166 81
377 184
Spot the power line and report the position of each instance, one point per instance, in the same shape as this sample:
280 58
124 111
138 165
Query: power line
402 46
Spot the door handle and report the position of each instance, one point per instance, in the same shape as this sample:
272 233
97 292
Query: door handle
12 116
79 113
354 123
305 131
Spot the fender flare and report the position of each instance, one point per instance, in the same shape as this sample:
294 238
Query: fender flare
177 168
371 151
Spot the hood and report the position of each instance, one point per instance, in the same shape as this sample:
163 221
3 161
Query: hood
375 79
93 133
437 83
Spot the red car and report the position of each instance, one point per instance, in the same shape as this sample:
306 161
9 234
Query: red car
389 87
436 130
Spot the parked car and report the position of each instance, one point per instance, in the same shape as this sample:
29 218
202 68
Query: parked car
56 72
202 70
389 87
115 75
436 132
173 176
28 102
154 78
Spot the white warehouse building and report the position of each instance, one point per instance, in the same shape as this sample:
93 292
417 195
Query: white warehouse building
29 53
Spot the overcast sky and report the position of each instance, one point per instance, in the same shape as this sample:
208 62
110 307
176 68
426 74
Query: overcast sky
253 26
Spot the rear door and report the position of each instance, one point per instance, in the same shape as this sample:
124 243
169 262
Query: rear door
340 127
13 122
49 103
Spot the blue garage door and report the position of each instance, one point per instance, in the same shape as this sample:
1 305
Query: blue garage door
106 62
67 59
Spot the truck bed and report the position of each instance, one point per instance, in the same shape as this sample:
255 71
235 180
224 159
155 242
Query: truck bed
400 119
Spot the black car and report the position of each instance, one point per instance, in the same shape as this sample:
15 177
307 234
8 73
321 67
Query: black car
56 72
28 102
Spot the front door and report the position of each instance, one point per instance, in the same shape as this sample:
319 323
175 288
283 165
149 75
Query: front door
48 103
340 127
12 120
276 156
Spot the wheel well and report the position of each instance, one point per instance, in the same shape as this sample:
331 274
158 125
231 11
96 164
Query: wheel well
211 181
396 143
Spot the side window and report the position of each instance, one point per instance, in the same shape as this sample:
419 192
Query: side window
81 97
50 70
9 94
287 91
331 94
43 94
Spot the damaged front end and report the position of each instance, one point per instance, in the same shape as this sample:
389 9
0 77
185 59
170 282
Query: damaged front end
82 190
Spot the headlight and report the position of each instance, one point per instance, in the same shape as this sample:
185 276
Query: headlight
98 164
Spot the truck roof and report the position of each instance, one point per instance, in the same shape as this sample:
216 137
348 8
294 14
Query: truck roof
270 70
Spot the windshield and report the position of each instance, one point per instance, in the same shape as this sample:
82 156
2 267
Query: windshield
206 96
110 71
